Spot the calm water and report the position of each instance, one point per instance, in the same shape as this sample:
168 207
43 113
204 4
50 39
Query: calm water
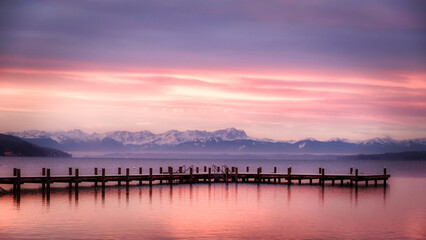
217 211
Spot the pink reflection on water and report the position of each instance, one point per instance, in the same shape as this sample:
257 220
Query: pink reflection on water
203 211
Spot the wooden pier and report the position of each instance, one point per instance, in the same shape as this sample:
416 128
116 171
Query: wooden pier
188 175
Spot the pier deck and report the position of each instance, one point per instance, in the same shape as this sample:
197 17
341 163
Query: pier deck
218 174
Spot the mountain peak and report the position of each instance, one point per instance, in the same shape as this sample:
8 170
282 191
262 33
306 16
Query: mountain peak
385 140
230 134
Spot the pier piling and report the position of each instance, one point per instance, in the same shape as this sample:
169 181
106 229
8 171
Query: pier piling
171 175
48 180
356 177
289 175
150 177
127 177
103 179
95 171
70 173
119 173
43 185
76 179
384 173
140 173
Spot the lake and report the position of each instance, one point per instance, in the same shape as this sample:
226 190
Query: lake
217 210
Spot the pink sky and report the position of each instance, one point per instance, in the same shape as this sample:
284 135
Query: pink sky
280 70
278 106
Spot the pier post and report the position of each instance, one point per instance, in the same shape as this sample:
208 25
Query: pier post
95 171
319 170
43 185
103 179
384 173
226 174
127 176
259 171
323 176
150 176
18 182
140 173
233 170
76 179
190 175
48 181
171 175
351 171
180 170
119 173
366 183
15 170
205 168
375 182
341 182
332 182
70 174
210 175
197 170
288 175
247 169
275 171
161 172
356 178
310 181
236 175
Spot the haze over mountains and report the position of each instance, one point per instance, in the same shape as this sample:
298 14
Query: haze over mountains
228 140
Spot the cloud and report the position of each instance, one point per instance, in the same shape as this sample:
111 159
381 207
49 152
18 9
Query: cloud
366 35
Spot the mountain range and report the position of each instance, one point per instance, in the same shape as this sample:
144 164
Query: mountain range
228 140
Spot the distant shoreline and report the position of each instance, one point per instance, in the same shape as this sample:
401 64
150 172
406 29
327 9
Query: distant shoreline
411 155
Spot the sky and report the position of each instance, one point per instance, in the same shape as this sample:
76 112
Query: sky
277 69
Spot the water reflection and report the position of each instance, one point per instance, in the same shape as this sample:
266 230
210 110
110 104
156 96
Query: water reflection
209 210
190 189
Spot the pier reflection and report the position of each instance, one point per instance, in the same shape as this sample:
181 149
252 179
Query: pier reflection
203 208
230 191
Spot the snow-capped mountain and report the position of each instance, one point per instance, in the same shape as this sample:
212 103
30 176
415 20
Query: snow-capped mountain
226 140
380 141
172 137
